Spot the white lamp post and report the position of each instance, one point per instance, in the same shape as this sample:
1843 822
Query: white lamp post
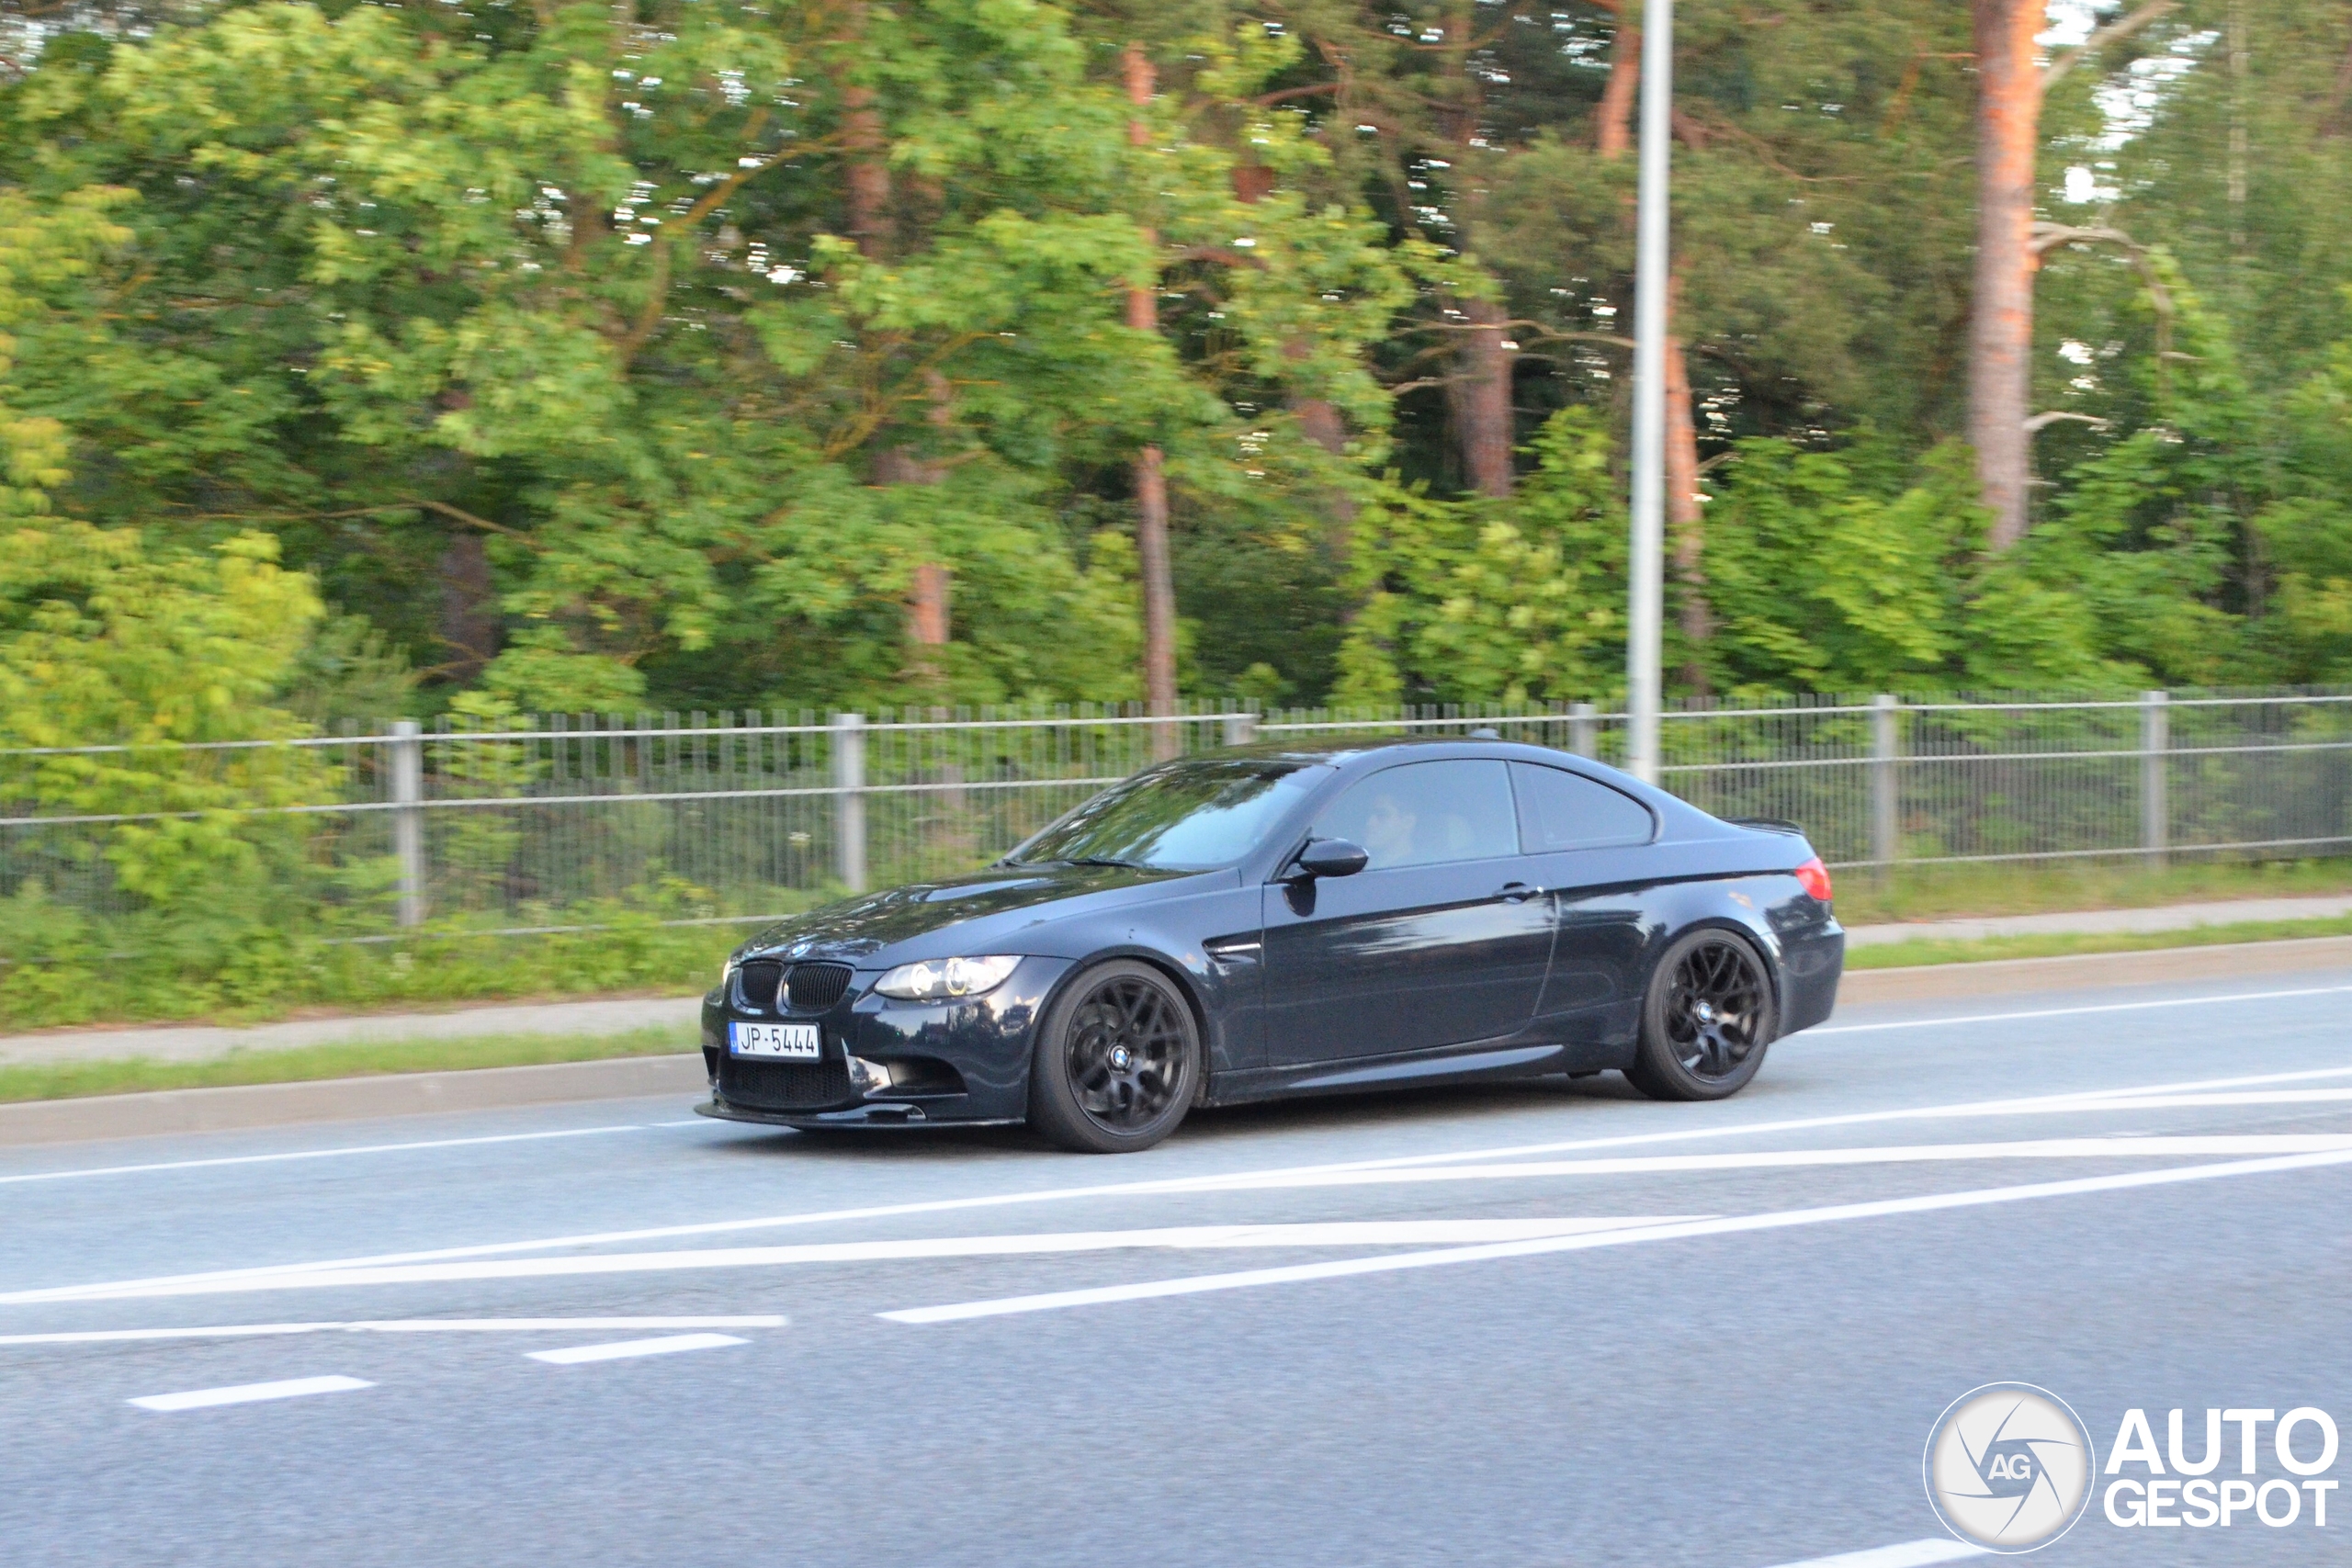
1646 611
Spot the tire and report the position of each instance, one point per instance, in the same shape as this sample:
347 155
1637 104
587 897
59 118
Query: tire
1087 1097
1707 1020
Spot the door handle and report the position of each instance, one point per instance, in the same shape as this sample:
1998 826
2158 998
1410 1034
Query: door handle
1519 892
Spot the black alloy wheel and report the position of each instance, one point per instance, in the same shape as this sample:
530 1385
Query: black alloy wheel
1116 1061
1707 1022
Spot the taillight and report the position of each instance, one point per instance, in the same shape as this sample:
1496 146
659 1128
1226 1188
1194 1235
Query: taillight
1816 877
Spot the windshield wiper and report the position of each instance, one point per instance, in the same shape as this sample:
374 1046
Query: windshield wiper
1105 860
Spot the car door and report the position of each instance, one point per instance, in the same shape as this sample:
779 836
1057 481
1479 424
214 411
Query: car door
1587 846
1439 941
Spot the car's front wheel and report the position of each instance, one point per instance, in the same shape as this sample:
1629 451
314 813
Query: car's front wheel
1707 1018
1117 1061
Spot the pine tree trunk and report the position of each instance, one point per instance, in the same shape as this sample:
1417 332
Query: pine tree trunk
1319 420
927 613
1151 479
469 619
1613 135
1685 518
1479 396
864 151
2000 349
1158 591
867 195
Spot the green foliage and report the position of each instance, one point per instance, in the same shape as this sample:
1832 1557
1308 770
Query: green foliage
1821 580
63 968
378 276
2306 529
1488 601
100 636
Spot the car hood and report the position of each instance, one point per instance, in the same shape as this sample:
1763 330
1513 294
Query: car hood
987 904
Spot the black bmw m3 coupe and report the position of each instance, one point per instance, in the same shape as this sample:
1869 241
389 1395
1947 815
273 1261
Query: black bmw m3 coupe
1284 919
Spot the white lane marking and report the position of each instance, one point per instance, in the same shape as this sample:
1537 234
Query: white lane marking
389 1325
1344 1233
1790 1159
2073 1011
1909 1554
314 1154
248 1394
1780 1220
623 1350
2123 1099
2234 1097
1357 1233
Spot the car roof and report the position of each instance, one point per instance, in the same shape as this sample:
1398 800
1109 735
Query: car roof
1336 750
1356 754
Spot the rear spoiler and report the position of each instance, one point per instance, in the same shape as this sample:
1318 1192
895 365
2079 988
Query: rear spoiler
1768 824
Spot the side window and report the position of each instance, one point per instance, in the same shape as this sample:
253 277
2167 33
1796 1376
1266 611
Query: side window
1561 810
1424 813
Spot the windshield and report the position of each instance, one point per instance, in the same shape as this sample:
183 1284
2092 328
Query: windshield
1188 817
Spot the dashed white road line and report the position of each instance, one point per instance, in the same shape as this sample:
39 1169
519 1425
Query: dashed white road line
623 1350
1908 1554
1780 1220
391 1325
249 1394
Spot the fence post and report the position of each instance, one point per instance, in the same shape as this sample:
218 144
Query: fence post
1241 728
1584 738
2156 804
408 818
1885 844
849 799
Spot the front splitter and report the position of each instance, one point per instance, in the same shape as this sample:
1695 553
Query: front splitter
882 1114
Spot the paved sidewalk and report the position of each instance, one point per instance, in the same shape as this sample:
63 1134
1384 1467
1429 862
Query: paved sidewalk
2088 922
179 1042
172 1042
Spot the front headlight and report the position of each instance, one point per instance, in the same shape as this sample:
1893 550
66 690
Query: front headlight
727 971
945 981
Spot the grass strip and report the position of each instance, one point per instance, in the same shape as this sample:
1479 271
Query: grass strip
1932 949
302 1064
1961 891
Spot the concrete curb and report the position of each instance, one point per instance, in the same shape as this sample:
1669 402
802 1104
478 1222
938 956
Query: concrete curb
2225 961
490 1088
347 1100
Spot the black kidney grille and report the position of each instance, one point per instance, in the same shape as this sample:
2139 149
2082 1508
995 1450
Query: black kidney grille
786 1086
813 988
757 983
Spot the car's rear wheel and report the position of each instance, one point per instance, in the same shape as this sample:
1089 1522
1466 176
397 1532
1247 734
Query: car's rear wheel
1706 1020
1117 1061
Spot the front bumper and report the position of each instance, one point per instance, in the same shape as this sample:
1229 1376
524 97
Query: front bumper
962 1062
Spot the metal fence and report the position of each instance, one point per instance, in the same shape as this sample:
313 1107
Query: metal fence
726 818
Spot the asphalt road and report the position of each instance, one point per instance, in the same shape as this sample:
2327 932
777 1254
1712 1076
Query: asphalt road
1535 1325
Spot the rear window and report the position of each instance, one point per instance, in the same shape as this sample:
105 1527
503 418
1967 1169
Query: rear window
1561 810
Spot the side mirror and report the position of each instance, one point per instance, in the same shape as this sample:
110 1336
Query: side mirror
1330 857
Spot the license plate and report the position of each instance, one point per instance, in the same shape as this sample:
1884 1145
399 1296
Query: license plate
796 1041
